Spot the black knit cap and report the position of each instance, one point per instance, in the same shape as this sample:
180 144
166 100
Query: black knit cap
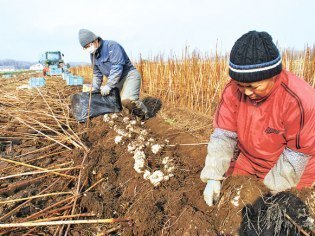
254 57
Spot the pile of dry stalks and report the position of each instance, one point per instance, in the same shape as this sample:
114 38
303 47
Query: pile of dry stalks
36 131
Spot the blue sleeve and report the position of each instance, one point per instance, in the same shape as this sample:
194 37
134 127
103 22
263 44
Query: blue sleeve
97 72
117 59
97 78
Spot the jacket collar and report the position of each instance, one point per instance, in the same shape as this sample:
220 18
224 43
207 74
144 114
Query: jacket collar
99 49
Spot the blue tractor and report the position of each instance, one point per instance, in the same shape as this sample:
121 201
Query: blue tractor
53 63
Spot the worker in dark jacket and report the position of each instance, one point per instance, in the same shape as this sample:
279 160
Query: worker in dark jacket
264 124
110 59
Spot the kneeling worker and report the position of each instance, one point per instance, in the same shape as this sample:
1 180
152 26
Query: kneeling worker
110 59
268 114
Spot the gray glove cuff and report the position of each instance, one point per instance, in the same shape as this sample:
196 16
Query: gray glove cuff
220 152
287 171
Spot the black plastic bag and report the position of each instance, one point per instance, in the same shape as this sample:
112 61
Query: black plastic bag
100 105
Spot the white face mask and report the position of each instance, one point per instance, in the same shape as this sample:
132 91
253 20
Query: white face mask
91 49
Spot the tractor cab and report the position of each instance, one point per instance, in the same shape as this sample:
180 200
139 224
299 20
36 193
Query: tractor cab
53 63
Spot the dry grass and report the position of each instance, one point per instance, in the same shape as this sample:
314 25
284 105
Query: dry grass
196 80
301 63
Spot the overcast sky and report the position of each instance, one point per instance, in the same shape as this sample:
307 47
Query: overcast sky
30 27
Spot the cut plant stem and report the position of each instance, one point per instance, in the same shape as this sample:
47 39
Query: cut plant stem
44 211
99 181
66 222
37 196
2 218
39 172
186 144
65 217
35 167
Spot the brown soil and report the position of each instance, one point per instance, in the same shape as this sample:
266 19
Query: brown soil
175 207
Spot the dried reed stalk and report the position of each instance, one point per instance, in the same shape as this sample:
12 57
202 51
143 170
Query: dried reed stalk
65 217
44 211
2 218
93 185
22 183
35 167
66 222
77 190
39 172
186 144
34 197
47 136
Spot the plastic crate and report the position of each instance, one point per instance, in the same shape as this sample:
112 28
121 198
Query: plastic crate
54 70
74 80
7 76
66 75
37 82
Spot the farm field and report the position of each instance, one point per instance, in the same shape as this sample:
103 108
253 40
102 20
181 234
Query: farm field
54 169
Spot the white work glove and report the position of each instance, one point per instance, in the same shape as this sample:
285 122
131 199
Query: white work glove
105 90
212 191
